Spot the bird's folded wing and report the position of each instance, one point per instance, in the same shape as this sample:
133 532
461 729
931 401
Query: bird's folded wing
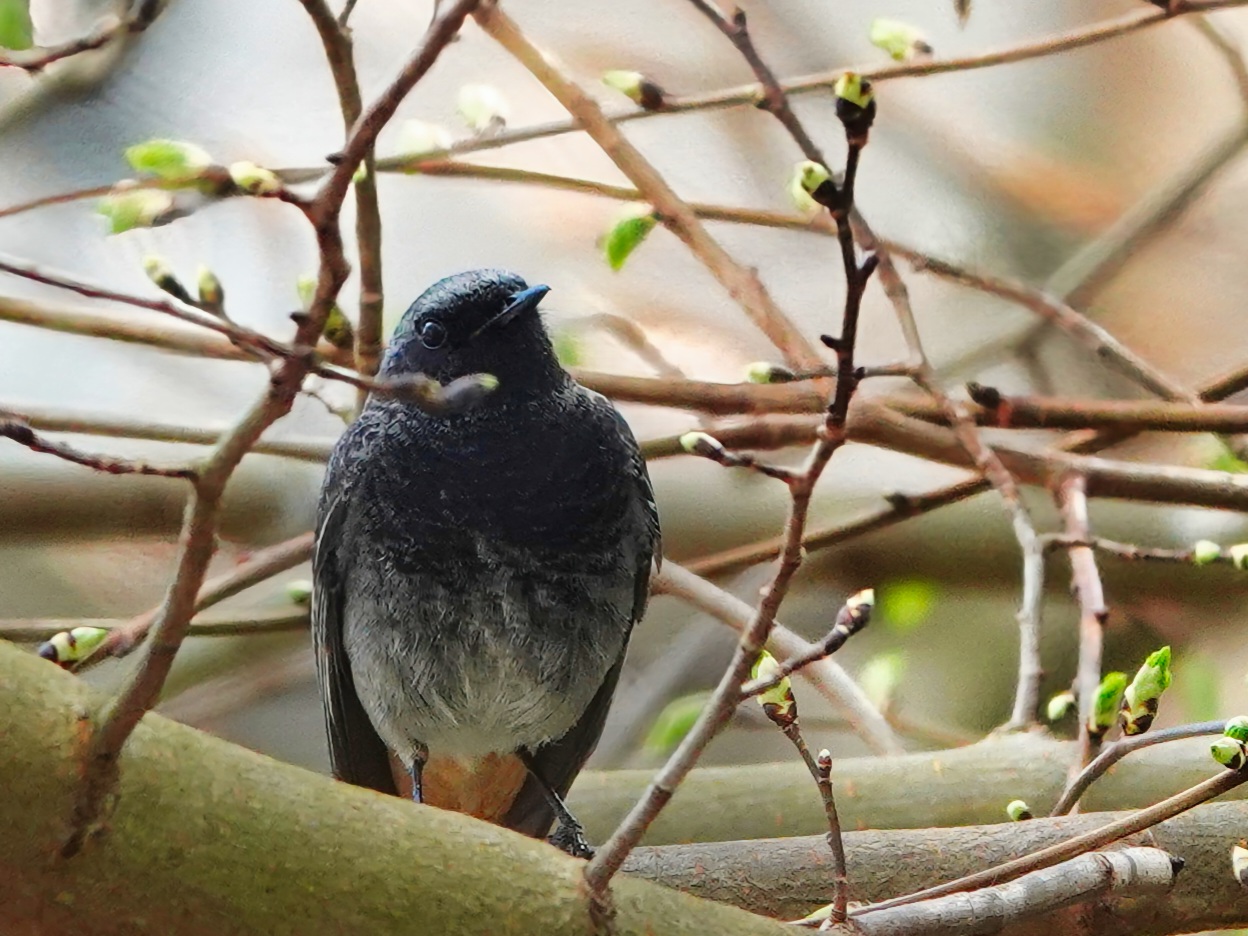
356 753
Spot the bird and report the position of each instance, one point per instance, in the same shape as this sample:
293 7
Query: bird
478 572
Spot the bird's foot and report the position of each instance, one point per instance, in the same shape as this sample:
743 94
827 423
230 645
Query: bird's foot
570 837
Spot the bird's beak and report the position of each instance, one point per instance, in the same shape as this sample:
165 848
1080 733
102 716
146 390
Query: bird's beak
520 303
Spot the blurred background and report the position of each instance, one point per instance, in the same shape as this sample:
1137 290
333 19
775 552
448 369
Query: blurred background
1018 170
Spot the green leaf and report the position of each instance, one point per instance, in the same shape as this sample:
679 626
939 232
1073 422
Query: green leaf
900 40
1226 460
674 722
906 604
172 160
626 236
16 30
134 208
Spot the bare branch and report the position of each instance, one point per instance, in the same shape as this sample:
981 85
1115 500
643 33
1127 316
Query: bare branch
12 426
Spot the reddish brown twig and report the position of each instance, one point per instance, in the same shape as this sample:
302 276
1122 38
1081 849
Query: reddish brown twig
15 428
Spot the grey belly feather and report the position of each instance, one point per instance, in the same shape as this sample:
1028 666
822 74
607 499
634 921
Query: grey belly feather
523 664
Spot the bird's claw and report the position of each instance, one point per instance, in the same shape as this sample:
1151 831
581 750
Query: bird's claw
570 838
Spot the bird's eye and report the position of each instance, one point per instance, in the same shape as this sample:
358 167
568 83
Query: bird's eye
433 335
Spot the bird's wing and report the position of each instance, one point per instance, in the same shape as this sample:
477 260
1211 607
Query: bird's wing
559 761
356 753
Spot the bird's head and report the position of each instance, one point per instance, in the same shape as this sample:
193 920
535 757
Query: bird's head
478 322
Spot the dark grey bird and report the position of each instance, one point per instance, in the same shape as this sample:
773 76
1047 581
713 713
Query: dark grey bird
478 573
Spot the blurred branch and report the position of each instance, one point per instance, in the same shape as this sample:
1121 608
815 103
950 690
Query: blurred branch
141 15
741 283
235 624
750 94
1085 580
259 566
826 675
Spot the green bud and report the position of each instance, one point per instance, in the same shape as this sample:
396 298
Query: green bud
1239 862
17 32
127 209
299 591
463 393
159 272
1239 555
171 160
764 372
253 179
1105 705
483 107
1140 700
1236 728
700 443
1018 811
1060 705
338 330
1205 552
855 106
360 174
636 87
211 293
778 702
626 235
811 175
418 138
73 646
900 40
1229 753
855 89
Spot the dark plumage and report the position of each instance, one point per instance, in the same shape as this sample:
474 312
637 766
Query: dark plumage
478 574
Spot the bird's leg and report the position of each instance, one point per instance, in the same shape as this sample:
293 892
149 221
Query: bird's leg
569 834
419 757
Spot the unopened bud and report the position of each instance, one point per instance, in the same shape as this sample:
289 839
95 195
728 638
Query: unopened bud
159 272
1105 705
253 179
636 87
700 443
211 293
764 372
72 646
1018 811
1141 698
1236 728
778 702
1229 753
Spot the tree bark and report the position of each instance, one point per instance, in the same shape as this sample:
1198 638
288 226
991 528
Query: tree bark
208 838
956 787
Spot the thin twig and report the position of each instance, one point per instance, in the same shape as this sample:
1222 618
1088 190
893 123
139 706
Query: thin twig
1121 748
826 675
142 14
840 879
1062 851
340 53
741 282
21 433
234 624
